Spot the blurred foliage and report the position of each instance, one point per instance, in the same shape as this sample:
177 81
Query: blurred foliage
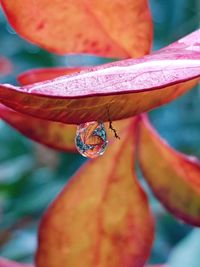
31 176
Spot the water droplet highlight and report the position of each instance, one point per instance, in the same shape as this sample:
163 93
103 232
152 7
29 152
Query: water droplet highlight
91 139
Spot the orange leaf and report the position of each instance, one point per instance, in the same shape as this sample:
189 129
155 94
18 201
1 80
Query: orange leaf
8 263
55 135
107 28
52 134
125 88
101 218
26 127
173 177
39 75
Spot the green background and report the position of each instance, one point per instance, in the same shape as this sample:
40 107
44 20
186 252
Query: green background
31 175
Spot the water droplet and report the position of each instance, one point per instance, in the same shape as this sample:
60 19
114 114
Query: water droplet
91 139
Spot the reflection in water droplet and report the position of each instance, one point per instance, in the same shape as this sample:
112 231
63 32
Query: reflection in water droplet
91 139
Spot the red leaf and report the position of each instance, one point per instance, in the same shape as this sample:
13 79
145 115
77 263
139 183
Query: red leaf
125 88
8 263
101 218
52 134
113 29
173 177
55 135
39 75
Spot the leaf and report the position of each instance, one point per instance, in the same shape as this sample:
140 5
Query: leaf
39 75
125 88
172 176
55 135
99 218
8 263
83 26
5 66
52 134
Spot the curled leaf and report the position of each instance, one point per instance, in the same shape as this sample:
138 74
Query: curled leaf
83 26
122 89
173 177
36 75
52 134
99 218
55 135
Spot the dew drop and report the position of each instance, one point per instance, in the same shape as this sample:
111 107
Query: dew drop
91 139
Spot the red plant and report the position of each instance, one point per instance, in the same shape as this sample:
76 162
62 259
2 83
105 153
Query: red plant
103 219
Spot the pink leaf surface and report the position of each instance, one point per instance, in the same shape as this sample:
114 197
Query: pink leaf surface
52 134
39 75
126 87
